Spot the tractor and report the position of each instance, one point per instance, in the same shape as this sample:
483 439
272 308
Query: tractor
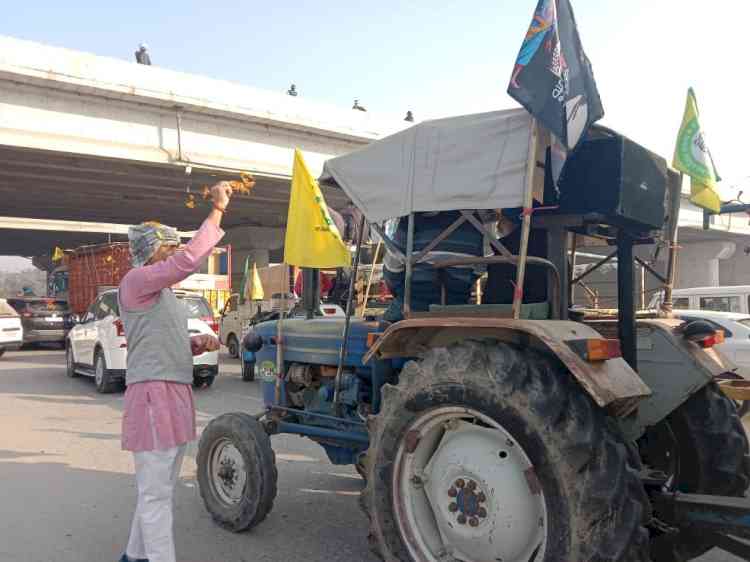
504 431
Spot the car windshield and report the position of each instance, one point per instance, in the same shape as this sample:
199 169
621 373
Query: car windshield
6 309
196 307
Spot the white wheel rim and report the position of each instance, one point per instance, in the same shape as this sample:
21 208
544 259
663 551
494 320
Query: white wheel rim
464 489
99 371
228 472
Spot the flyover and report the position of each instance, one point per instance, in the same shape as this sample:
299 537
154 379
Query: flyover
89 139
96 139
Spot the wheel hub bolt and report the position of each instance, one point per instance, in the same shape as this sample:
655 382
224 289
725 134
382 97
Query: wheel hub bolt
453 508
472 485
452 492
460 483
482 512
481 498
474 522
461 519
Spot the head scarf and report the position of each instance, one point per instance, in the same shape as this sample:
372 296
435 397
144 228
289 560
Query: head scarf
146 239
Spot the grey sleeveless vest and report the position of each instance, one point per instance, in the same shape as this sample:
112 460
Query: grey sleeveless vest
158 342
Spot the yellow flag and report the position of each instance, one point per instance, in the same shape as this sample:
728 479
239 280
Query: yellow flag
256 294
312 239
691 156
58 254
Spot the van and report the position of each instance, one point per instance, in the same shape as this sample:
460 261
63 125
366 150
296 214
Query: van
721 299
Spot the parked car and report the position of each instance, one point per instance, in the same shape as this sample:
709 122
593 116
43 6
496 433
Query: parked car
735 298
96 345
43 318
736 328
11 328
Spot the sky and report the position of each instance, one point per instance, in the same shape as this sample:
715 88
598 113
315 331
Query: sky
436 58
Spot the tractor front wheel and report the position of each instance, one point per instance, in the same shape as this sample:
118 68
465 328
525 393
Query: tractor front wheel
236 471
490 452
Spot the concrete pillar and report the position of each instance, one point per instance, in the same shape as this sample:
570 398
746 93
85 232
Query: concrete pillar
254 242
258 257
698 263
736 270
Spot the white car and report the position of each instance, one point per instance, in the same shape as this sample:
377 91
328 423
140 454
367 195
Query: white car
96 345
736 327
11 329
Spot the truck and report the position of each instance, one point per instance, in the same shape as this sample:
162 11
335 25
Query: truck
88 270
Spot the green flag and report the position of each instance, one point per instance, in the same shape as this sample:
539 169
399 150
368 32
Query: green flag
691 156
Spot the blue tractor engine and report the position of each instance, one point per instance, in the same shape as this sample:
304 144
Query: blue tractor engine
305 402
312 387
309 389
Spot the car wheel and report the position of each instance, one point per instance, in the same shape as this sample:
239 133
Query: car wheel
102 376
203 382
233 346
70 362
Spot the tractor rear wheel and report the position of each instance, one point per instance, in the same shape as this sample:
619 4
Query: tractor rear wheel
702 447
484 451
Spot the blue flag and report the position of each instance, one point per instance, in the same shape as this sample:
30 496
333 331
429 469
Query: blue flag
552 77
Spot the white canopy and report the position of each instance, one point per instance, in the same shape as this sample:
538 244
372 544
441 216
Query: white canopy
467 162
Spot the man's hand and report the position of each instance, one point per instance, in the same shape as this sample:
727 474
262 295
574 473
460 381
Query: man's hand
221 193
202 343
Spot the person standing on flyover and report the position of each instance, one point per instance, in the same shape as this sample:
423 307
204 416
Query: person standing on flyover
159 414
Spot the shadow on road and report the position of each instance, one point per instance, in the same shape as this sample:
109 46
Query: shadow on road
55 511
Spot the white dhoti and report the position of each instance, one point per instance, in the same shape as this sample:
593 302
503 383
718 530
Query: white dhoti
151 534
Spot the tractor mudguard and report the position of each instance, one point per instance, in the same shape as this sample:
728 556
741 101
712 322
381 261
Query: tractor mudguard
673 367
612 384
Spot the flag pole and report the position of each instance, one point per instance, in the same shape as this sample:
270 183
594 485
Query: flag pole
372 272
675 193
279 335
528 201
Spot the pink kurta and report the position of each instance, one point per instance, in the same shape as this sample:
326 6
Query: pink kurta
159 415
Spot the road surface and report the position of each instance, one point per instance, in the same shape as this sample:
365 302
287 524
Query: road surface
68 489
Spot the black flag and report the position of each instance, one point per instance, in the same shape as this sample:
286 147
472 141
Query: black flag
552 78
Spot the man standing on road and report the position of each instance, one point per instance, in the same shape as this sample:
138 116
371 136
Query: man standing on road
159 414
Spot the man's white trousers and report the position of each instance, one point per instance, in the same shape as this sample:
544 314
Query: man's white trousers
151 534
